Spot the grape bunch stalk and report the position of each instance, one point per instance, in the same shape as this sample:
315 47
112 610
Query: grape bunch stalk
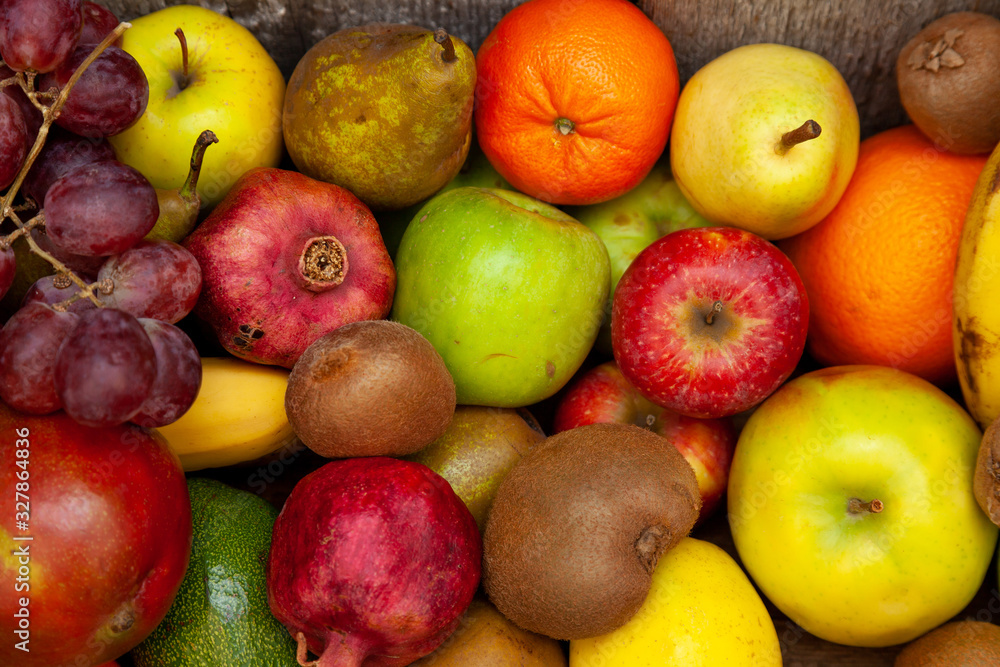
107 351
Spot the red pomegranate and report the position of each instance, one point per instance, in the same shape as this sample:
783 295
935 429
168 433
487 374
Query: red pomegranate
286 259
373 561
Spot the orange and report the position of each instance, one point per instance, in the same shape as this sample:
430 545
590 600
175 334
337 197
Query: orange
879 268
574 98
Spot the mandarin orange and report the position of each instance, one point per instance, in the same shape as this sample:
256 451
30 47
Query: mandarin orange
879 268
574 98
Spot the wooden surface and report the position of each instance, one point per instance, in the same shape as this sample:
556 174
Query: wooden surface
860 37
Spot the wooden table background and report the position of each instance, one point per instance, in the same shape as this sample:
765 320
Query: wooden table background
860 37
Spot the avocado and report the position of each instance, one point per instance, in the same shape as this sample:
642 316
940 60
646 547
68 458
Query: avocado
221 617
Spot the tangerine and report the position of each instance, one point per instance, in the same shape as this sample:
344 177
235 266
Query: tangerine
574 98
879 268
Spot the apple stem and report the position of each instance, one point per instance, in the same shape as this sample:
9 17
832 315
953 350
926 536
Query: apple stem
808 130
205 139
857 506
184 58
444 39
716 309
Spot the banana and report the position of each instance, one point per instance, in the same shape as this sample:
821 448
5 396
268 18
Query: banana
238 416
976 298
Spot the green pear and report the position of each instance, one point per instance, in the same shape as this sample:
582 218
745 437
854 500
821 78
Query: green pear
384 110
629 223
765 138
477 451
179 207
476 171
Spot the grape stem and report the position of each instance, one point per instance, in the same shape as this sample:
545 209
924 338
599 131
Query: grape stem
49 115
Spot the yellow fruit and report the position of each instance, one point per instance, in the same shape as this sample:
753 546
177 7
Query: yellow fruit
976 331
701 610
238 416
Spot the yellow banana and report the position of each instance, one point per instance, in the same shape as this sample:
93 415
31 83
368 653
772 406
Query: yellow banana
976 331
238 416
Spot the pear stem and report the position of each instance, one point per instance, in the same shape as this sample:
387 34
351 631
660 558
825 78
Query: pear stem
183 83
857 506
716 309
205 139
444 39
808 130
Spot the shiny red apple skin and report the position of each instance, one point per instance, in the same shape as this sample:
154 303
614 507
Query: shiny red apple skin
660 330
110 518
602 395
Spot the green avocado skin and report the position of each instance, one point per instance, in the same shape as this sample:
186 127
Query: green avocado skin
220 617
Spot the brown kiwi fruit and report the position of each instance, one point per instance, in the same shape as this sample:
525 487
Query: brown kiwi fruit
370 388
949 81
958 644
484 638
577 526
478 449
986 480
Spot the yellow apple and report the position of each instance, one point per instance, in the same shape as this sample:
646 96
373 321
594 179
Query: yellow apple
728 147
851 504
701 611
232 87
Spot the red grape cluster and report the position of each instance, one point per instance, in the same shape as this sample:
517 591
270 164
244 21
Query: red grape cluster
97 339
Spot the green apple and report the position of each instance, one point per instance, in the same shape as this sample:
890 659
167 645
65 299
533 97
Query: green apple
765 138
851 504
508 289
232 86
629 223
701 611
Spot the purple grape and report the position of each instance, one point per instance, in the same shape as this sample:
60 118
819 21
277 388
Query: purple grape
29 343
107 98
13 140
178 375
38 34
82 265
44 291
32 116
103 208
8 267
155 279
62 152
98 23
105 368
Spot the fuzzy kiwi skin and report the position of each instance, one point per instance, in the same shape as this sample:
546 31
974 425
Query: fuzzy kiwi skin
958 644
986 480
370 388
956 106
577 526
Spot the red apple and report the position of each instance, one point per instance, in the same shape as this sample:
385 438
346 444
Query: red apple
96 532
709 322
604 396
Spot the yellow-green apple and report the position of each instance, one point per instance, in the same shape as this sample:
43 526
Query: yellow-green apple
213 75
766 139
851 504
508 289
701 611
602 395
629 223
709 321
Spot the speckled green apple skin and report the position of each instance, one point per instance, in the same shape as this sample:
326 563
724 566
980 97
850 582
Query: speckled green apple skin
868 579
509 290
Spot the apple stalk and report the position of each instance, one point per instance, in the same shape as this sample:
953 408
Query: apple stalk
858 506
182 79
